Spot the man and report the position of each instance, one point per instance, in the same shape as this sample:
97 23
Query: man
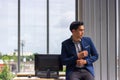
78 54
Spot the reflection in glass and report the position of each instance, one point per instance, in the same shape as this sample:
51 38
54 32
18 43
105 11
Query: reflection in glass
33 31
62 13
8 35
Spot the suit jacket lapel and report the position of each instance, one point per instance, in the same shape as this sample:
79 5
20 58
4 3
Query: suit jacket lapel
83 44
72 46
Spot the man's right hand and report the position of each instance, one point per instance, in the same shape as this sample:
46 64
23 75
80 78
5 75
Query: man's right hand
82 54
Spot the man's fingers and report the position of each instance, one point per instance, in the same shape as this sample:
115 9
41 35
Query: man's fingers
85 53
80 62
82 54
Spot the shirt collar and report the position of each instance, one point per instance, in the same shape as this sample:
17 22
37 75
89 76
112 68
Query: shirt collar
75 41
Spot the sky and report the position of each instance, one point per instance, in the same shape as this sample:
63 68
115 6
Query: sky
33 24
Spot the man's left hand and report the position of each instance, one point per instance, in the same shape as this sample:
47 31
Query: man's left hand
81 62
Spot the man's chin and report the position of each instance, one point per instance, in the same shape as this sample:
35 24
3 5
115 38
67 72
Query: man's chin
81 37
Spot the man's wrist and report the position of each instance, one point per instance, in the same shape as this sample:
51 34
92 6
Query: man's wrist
80 55
85 61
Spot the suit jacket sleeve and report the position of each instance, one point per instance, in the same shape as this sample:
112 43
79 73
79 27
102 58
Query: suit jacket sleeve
66 60
93 53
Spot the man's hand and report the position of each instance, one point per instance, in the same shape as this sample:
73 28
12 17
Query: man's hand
82 54
81 62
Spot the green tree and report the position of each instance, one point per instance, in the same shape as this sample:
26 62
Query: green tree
6 74
0 55
14 57
6 59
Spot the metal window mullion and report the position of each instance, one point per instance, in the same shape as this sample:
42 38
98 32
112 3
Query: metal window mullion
47 26
18 35
78 10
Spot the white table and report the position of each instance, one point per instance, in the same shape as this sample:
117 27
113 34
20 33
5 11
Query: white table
32 78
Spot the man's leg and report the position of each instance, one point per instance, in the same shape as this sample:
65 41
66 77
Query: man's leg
88 76
81 74
75 75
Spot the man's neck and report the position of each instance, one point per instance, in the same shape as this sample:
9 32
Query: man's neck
75 39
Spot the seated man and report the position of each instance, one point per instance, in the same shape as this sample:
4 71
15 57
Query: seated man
78 54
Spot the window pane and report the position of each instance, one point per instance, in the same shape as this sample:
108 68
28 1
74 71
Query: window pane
62 13
33 30
8 31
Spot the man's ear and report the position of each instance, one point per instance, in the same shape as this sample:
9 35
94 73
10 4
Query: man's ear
73 30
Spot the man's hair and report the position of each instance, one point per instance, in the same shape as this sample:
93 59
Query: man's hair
75 25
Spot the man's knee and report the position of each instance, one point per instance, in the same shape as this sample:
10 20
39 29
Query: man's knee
74 76
89 76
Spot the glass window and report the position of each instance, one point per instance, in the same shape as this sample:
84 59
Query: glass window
33 31
62 13
8 31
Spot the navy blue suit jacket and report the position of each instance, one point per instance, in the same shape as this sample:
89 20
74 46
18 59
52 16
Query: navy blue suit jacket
69 55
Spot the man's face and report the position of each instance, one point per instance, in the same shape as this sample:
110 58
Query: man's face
79 32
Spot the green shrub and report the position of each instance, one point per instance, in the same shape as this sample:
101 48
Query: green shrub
6 74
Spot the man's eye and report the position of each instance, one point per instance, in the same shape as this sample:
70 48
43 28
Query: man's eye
81 30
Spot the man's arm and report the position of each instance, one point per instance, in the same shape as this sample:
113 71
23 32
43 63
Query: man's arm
81 55
93 55
81 62
65 59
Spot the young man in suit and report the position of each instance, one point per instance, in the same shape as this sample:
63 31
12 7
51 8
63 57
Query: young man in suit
78 54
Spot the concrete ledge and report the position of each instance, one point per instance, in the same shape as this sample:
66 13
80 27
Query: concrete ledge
32 78
26 74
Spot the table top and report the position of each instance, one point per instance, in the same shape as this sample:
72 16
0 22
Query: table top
25 74
32 78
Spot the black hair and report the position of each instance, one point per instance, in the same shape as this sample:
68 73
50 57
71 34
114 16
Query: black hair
75 25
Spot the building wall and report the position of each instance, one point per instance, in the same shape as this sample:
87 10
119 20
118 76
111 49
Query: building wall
99 17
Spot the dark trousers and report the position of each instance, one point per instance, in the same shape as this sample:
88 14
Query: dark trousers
81 74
